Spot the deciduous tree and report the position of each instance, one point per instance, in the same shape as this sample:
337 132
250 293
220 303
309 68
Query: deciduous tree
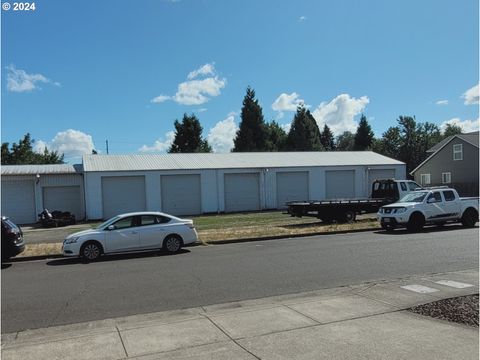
23 154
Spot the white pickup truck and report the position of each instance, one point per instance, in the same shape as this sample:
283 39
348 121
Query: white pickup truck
429 206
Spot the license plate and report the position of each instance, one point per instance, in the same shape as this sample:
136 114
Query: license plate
386 220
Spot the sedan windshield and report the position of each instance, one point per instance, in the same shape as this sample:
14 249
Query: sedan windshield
416 197
108 222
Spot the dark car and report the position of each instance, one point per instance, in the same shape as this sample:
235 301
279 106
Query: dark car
12 239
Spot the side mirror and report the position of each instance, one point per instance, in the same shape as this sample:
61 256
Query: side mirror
111 227
430 200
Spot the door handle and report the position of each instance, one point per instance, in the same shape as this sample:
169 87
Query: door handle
134 232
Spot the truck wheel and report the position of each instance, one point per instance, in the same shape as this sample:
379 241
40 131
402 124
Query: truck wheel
469 218
350 216
416 222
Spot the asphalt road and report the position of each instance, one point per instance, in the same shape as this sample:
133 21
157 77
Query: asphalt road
63 291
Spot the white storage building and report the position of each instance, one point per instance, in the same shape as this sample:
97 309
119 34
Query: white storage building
189 184
28 189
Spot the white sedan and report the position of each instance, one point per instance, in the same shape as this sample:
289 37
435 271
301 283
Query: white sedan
137 231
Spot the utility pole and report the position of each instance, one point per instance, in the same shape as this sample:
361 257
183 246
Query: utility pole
106 141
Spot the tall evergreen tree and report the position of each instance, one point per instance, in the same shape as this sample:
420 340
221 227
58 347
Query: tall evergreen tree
188 136
327 139
252 134
345 141
304 134
23 154
364 135
276 137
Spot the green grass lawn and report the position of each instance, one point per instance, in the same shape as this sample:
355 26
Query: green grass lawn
270 218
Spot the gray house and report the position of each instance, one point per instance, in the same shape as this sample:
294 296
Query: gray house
452 162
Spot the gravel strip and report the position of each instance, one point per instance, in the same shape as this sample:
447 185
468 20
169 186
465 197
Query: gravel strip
463 310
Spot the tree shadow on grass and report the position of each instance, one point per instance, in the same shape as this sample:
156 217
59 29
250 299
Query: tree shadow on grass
115 257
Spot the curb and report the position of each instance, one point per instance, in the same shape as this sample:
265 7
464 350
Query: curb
219 242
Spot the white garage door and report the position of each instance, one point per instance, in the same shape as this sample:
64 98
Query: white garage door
379 174
122 194
63 198
340 184
181 194
291 186
18 201
242 192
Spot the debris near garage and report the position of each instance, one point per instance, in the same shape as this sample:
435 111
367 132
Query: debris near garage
56 218
463 310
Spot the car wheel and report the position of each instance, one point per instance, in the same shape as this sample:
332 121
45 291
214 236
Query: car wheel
469 218
90 251
172 244
416 222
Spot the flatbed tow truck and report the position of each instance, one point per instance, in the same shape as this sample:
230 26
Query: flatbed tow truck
384 192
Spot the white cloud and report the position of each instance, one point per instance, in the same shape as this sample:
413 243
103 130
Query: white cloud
471 96
160 98
39 146
207 69
286 127
72 143
196 91
160 145
19 81
221 136
442 102
302 18
466 125
202 110
286 102
339 113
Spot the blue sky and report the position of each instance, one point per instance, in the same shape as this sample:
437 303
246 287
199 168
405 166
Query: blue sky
76 73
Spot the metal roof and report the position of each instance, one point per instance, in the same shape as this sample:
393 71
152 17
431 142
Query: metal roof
40 169
232 160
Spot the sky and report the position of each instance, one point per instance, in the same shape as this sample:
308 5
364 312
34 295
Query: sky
76 74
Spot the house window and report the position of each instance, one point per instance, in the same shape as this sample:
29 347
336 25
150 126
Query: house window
458 152
425 179
446 178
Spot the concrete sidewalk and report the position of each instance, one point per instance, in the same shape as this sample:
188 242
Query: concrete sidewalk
365 321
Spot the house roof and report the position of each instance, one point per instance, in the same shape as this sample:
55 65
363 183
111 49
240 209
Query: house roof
232 160
40 169
471 138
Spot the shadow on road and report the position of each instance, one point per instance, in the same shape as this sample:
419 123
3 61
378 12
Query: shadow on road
428 229
115 257
6 266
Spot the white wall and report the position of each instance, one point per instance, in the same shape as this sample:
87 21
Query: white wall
213 187
48 180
